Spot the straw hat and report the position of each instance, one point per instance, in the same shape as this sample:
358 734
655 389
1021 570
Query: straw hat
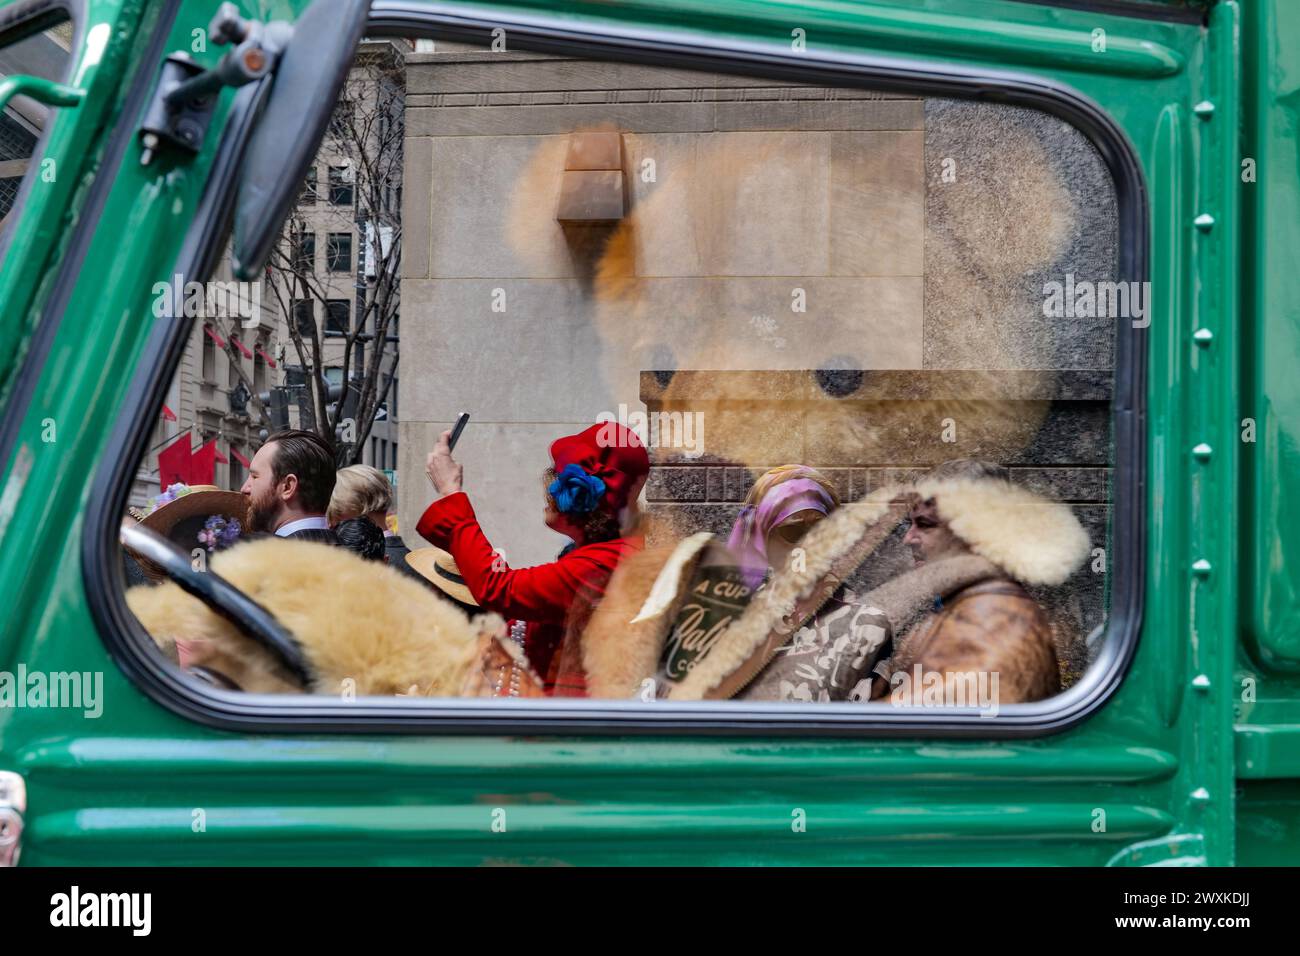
439 568
181 519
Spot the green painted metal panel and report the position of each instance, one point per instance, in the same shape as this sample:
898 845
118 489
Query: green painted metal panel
1267 682
1271 463
73 143
1268 823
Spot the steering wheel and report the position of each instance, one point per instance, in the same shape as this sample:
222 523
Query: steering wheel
216 592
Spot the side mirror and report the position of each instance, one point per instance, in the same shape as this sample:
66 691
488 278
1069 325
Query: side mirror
39 89
303 95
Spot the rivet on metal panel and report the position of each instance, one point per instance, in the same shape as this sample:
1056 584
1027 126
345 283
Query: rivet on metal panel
1200 795
1204 109
1202 452
1204 222
1201 568
1201 682
1203 337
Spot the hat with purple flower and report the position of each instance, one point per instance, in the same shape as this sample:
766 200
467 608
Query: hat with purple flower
195 516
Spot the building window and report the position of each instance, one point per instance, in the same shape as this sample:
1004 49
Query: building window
338 252
304 316
259 370
338 317
340 186
209 358
304 251
310 192
236 472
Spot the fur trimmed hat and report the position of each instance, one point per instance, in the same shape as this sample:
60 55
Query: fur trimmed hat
1034 540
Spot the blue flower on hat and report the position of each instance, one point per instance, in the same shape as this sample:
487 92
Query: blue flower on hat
575 491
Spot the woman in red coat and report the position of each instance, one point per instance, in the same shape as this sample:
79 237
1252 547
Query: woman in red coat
590 496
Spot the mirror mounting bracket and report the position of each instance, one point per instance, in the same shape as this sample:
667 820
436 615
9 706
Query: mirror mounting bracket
186 95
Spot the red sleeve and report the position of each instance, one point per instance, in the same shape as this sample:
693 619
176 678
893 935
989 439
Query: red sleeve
543 593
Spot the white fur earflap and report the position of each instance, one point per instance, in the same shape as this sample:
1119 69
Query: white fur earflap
1034 540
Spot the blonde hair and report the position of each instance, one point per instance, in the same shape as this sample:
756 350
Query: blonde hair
358 491
774 476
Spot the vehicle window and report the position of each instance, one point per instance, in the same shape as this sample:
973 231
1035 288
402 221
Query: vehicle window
776 394
45 54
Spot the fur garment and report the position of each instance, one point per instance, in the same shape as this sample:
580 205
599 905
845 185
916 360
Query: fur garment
623 641
355 620
1013 534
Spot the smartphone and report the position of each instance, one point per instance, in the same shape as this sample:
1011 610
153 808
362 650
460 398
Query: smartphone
461 421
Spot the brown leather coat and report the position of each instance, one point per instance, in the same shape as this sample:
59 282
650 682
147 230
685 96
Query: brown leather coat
992 627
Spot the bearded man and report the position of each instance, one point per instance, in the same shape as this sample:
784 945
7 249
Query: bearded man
290 481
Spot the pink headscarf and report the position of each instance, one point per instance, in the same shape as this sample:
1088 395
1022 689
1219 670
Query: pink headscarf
748 541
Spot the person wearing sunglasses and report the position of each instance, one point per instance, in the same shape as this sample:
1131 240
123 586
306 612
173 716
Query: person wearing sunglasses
784 504
763 614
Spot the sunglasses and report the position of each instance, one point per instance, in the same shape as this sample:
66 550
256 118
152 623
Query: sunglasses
793 531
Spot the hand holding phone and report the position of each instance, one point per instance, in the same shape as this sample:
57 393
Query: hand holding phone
445 473
461 421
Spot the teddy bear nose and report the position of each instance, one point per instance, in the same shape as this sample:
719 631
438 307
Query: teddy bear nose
838 376
663 361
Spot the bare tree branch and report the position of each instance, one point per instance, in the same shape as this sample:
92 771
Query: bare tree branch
367 133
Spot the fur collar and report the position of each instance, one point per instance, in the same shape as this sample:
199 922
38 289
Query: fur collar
624 639
854 529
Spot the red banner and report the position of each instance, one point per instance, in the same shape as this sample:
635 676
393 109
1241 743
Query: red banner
174 462
241 346
168 414
203 464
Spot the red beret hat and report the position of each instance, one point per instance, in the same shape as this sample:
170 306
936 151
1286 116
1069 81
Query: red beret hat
611 452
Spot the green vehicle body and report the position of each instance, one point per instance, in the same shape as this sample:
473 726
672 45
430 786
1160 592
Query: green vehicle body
1194 757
